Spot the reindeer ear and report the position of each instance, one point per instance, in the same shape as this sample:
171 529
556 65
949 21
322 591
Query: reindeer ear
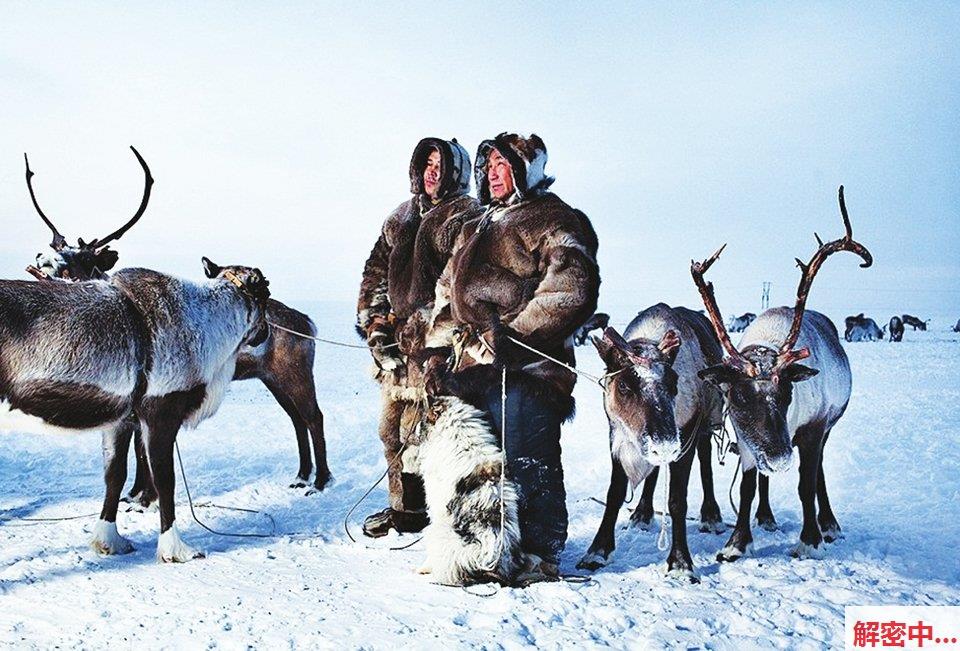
605 349
106 258
256 284
798 373
719 374
210 268
670 345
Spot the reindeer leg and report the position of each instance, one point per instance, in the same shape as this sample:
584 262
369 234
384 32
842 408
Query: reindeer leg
809 444
765 519
742 538
825 518
160 434
106 540
314 420
679 562
710 517
300 427
304 397
146 495
603 543
643 514
141 477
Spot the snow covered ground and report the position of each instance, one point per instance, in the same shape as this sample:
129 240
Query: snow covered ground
892 465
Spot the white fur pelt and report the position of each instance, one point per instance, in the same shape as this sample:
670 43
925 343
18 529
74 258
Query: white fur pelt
460 462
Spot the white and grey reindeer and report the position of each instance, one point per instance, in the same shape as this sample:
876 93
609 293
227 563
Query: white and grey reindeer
776 404
659 411
283 361
88 355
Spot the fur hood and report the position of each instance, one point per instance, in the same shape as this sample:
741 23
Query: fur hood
527 158
454 167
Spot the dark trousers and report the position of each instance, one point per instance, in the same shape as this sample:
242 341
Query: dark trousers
533 463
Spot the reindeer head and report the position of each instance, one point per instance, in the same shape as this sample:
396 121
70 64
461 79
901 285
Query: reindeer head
252 284
640 391
758 381
87 260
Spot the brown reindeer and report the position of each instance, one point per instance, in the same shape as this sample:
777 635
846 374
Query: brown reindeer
283 362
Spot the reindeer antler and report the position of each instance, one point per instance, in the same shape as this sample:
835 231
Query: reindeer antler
147 185
808 271
734 358
59 241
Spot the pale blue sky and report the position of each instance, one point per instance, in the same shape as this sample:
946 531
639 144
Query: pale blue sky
279 135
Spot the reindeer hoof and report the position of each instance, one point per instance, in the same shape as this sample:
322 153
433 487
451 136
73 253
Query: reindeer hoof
767 523
424 569
684 575
712 526
641 524
730 553
803 551
320 483
142 506
592 561
107 541
299 482
832 534
172 549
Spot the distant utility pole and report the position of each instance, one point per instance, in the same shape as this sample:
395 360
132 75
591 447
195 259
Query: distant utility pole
765 298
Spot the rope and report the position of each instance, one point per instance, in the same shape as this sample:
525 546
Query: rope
346 518
736 471
33 522
503 465
573 369
326 341
662 538
186 487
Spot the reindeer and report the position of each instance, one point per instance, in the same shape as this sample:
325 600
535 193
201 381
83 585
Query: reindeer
915 322
896 328
862 328
90 355
776 403
283 361
740 323
659 412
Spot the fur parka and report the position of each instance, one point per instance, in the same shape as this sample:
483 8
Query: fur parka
417 238
529 262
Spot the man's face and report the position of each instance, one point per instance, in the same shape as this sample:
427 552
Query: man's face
499 176
431 174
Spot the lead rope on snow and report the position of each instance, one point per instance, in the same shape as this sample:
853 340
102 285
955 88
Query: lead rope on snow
346 518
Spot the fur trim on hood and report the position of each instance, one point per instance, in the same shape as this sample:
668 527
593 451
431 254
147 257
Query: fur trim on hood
454 167
527 158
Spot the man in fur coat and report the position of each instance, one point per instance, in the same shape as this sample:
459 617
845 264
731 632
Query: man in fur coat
396 296
526 269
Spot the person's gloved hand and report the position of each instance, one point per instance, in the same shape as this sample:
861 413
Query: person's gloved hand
413 333
504 350
435 370
385 353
